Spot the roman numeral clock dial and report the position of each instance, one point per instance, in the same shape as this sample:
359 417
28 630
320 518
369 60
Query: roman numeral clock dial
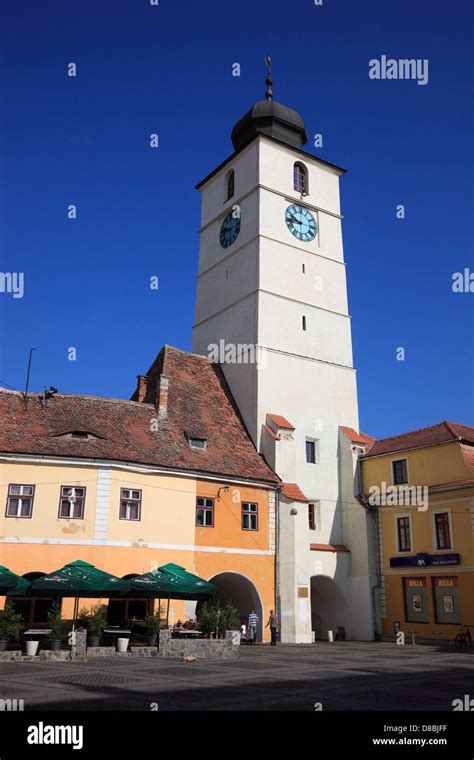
301 223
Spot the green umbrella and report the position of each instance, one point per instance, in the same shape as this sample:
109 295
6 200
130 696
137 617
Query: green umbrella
11 583
156 583
189 586
80 579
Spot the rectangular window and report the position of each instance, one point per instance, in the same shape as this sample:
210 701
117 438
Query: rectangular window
130 504
249 516
311 452
71 504
204 512
443 537
20 500
314 516
197 443
403 534
400 472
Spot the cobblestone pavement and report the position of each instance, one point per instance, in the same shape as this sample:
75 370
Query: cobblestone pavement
340 676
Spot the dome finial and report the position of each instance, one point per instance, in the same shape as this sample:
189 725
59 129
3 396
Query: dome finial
268 80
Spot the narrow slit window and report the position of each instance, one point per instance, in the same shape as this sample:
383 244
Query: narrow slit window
303 323
230 185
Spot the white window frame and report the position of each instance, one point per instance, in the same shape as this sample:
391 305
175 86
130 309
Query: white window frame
20 496
138 501
72 502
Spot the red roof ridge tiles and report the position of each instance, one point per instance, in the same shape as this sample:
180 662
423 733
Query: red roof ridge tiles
357 437
442 432
271 433
328 548
293 492
280 421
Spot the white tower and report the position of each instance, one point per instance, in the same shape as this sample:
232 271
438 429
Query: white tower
272 287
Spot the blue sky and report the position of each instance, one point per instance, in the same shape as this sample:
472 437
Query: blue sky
168 69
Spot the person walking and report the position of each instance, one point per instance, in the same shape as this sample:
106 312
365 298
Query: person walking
273 623
253 622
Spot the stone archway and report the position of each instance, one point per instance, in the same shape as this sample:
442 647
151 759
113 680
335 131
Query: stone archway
329 608
236 588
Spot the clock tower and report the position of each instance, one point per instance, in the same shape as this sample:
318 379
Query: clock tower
272 309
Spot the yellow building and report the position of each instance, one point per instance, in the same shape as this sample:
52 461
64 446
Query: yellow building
425 534
169 476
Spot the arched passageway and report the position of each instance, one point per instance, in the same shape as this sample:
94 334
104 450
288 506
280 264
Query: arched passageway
329 608
236 588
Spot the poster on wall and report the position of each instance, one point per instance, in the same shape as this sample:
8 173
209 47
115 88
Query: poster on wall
417 603
448 604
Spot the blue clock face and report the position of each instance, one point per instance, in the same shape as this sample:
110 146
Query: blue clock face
230 227
301 222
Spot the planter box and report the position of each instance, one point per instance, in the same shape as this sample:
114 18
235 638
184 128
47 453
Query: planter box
202 649
8 656
55 654
101 651
143 651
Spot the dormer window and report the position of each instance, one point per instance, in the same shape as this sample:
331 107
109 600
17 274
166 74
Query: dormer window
230 184
79 435
300 178
197 443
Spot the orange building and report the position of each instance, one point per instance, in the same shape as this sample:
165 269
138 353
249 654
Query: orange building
169 476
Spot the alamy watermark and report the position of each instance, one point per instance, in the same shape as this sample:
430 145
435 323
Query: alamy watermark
403 68
237 353
399 496
12 282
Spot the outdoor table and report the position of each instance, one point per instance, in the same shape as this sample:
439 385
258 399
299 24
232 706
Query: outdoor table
118 633
184 634
37 633
126 632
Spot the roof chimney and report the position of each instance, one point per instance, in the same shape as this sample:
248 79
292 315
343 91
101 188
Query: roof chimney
141 387
162 396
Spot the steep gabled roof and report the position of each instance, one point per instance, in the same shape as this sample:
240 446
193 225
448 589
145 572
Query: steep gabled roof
199 404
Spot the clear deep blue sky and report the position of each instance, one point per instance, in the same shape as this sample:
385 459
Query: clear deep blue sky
167 69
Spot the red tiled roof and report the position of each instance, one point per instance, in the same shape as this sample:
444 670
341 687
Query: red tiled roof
271 433
441 433
453 484
280 421
328 548
293 492
356 437
199 405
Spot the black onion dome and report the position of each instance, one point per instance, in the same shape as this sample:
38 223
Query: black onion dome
273 119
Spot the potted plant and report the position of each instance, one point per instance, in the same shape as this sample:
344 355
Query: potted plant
56 623
94 619
228 618
209 617
152 622
10 625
